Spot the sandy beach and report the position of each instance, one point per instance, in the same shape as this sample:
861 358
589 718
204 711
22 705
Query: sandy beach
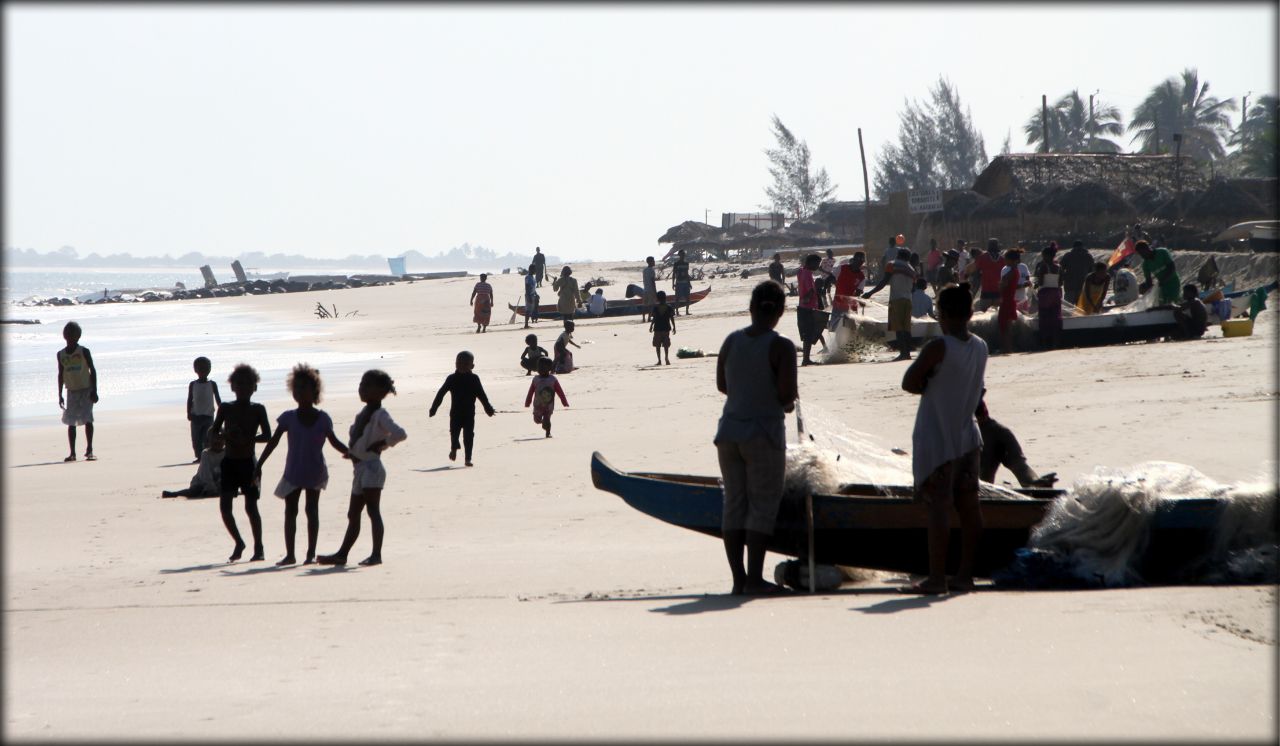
518 602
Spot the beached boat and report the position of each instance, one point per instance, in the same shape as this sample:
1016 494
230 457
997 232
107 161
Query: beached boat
1116 327
627 307
880 527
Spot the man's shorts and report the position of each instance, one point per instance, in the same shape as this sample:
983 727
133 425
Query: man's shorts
662 339
807 324
79 408
238 476
369 475
683 289
987 299
957 478
900 315
752 473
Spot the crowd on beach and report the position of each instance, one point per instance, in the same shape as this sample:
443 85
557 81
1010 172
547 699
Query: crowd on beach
955 440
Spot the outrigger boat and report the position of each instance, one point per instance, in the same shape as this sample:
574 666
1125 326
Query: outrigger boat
1117 327
625 307
880 527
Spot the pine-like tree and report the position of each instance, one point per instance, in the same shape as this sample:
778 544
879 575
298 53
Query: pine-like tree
938 146
795 192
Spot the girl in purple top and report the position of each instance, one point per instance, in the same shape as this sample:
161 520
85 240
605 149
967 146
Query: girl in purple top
304 467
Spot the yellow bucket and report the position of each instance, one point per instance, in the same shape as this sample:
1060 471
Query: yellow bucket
1237 328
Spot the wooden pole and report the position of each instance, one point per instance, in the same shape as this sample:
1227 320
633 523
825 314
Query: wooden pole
866 192
1044 119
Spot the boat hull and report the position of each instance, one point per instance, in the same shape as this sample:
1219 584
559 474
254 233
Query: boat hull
628 307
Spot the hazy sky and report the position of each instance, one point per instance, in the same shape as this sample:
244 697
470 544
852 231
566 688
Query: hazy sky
588 130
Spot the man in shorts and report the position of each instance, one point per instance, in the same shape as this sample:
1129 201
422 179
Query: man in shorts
946 442
900 276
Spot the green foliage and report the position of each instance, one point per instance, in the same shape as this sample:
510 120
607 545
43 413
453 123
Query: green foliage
795 191
1255 140
1182 105
938 146
1074 129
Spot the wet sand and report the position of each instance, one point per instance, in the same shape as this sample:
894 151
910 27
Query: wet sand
516 601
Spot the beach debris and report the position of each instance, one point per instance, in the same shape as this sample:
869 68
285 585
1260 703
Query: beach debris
325 313
686 352
794 573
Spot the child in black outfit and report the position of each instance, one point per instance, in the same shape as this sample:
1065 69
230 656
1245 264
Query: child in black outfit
465 388
242 423
532 353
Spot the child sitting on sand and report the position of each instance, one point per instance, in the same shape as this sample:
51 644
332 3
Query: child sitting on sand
240 421
372 433
464 388
542 394
304 468
77 373
531 355
662 323
564 357
208 479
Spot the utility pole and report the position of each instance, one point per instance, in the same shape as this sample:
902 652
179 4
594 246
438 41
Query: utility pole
1155 122
706 215
1244 109
1091 95
866 190
1044 119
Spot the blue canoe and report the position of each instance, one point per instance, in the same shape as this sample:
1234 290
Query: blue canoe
880 527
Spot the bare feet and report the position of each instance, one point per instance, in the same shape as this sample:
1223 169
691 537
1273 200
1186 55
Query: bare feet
288 560
453 454
258 555
372 559
925 587
88 456
960 584
332 559
239 550
72 457
761 588
310 560
470 464
167 493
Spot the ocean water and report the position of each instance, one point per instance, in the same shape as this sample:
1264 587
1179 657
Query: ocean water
144 351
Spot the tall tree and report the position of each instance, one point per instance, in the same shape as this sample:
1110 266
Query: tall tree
1182 105
1255 140
938 146
1073 128
795 191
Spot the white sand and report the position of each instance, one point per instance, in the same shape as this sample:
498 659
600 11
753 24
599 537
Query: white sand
519 602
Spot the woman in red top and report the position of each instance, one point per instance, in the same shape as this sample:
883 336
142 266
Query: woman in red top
1008 299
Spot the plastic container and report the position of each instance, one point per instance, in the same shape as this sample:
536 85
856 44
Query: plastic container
1237 328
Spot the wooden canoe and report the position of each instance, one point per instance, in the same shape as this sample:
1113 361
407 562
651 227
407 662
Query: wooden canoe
625 307
880 527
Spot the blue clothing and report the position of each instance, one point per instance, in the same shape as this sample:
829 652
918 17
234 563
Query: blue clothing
304 466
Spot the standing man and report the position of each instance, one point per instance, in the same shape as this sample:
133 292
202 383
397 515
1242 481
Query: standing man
530 295
681 282
650 289
539 264
946 443
807 308
1076 265
1157 266
901 278
777 272
988 267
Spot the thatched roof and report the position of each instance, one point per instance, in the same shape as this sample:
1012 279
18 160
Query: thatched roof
807 226
1148 198
1041 199
1122 173
688 230
700 242
961 205
1173 208
1090 198
1004 206
742 229
833 213
1226 201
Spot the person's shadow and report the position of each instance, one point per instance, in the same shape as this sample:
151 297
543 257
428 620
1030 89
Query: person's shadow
192 568
42 463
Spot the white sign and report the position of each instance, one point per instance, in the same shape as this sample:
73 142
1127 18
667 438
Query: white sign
924 200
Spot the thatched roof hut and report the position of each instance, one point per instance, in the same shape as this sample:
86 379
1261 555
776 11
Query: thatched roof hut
961 205
1003 207
1148 198
688 230
742 229
1091 198
1122 173
1225 203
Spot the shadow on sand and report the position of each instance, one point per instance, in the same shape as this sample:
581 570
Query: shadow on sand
192 568
42 463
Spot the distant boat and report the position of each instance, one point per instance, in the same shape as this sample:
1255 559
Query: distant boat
1263 235
628 307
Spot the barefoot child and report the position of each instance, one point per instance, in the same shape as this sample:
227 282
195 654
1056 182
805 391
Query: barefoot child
304 468
563 355
372 433
531 355
77 373
464 388
946 441
756 370
202 403
242 423
542 393
662 323
208 479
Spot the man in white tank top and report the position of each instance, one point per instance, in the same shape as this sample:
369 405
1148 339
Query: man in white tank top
946 442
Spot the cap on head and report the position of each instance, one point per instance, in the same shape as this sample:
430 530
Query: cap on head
899 239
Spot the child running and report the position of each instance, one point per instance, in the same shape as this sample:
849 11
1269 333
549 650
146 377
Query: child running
372 433
240 422
531 355
304 468
77 373
542 393
208 479
946 442
202 404
464 388
662 322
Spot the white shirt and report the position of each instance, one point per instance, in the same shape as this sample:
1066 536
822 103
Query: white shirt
945 428
596 304
1024 278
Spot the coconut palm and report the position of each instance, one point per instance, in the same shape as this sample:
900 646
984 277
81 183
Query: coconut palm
1073 128
1256 139
1182 106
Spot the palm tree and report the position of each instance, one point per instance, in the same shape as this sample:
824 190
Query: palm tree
1182 106
1256 138
1073 128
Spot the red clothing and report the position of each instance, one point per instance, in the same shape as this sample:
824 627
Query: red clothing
989 267
808 291
849 280
1008 299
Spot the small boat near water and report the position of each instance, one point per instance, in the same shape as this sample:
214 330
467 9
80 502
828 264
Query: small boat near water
627 307
880 527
